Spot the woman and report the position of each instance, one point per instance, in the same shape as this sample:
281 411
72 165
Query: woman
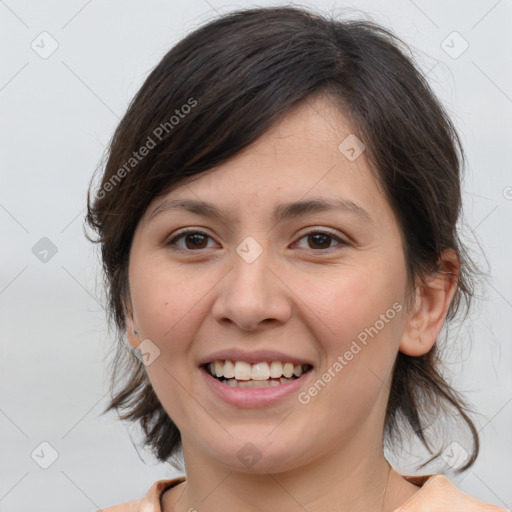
277 220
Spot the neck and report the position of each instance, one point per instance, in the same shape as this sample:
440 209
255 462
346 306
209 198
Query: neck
340 480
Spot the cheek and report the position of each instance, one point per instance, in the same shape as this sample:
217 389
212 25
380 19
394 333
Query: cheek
347 302
358 322
168 302
359 335
168 310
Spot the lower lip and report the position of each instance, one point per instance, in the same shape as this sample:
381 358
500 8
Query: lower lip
254 397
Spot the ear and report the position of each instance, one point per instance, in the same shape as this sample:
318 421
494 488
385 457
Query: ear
432 300
132 334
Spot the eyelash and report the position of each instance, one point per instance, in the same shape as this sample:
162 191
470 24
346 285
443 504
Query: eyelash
327 232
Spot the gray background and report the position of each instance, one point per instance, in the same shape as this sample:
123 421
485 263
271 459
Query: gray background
57 115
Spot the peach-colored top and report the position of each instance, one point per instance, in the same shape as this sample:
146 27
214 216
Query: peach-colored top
437 494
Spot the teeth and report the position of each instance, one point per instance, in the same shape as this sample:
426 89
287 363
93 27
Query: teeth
255 383
218 368
242 371
288 370
260 371
249 384
229 370
276 369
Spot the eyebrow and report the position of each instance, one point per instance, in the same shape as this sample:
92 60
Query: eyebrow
281 212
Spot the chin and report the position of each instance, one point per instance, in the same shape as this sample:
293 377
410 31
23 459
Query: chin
259 454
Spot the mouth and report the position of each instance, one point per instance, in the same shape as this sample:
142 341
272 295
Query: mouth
264 374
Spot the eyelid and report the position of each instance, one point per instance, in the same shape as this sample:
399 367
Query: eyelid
327 231
312 231
179 234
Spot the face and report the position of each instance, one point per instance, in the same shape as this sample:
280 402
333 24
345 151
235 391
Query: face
322 287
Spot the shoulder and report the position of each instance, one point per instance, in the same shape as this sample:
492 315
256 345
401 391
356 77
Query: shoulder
150 502
129 506
439 494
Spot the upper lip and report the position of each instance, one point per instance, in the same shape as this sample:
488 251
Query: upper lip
255 356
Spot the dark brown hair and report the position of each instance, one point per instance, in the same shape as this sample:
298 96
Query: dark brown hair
222 87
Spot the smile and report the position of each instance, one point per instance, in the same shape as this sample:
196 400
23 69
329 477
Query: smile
234 384
240 374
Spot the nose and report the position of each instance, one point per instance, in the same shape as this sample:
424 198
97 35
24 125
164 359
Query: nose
253 293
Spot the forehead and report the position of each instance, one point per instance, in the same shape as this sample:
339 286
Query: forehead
300 158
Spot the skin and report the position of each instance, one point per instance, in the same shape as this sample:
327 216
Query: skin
298 296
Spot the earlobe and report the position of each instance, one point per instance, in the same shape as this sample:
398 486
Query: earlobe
433 298
414 342
131 329
129 320
416 346
132 334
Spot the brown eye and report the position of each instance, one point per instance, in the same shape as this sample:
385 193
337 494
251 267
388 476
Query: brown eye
193 240
321 240
197 240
